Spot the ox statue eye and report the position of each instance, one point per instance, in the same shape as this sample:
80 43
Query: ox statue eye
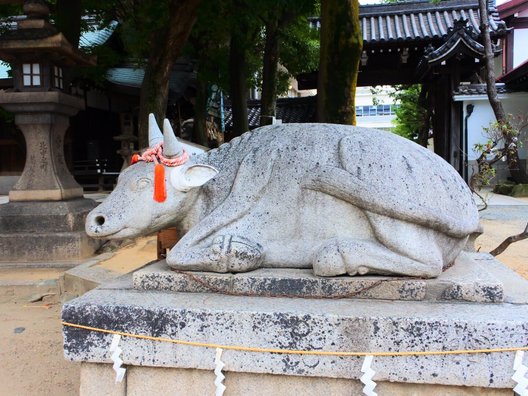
141 184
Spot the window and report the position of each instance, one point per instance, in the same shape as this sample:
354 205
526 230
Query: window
31 74
375 110
359 111
57 75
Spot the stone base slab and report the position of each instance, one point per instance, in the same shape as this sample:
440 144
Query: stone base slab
359 325
466 280
98 379
38 233
42 217
69 247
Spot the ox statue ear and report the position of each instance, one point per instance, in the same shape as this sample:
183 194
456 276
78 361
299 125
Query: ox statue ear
183 178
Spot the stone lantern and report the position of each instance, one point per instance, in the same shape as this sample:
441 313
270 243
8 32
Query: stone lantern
43 220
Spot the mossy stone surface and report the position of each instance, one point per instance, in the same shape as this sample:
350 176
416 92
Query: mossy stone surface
504 188
520 190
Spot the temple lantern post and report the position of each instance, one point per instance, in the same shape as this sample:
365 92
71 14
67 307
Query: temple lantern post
43 220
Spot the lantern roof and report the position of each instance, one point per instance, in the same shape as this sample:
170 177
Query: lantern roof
56 48
35 38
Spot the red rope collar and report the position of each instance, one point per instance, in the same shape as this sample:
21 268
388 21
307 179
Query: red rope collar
155 154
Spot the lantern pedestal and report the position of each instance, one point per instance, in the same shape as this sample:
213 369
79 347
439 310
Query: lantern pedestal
43 118
43 224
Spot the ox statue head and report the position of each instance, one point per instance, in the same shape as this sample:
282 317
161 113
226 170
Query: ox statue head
131 210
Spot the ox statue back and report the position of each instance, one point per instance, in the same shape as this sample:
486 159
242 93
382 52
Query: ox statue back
335 198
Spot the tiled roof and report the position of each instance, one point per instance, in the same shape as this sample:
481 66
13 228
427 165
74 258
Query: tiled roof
479 89
516 78
462 39
97 35
418 20
125 76
132 76
288 110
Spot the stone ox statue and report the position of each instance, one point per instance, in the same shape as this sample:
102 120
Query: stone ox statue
340 199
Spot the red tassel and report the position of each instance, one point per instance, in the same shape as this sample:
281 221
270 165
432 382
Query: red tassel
135 158
160 192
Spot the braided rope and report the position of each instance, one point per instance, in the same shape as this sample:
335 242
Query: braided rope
155 154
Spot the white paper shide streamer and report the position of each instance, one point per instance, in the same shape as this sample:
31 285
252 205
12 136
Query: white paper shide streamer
366 378
520 374
116 351
219 365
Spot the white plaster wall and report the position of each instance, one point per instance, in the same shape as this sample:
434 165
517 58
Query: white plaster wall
378 122
364 95
481 117
520 46
515 104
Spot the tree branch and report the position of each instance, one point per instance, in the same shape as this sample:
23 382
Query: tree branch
508 241
484 202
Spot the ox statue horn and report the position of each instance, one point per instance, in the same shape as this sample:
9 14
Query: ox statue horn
171 146
155 135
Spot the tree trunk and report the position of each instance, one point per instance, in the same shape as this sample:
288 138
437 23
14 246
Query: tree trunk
167 44
238 85
518 174
68 20
200 112
341 46
270 73
424 103
495 103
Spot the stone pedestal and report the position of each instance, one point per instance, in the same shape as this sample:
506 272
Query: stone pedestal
41 234
436 320
43 222
43 118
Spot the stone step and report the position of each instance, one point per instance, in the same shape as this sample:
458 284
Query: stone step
44 249
43 217
96 271
29 281
84 277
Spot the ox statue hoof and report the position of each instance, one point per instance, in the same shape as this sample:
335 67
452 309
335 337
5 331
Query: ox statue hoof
236 253
329 261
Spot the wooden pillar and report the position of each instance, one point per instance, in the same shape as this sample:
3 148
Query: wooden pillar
456 154
447 122
441 122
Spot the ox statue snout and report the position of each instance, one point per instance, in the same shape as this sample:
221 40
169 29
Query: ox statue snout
107 226
95 224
